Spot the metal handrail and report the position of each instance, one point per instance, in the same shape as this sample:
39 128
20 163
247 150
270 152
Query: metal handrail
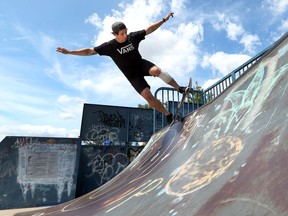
170 98
213 91
216 89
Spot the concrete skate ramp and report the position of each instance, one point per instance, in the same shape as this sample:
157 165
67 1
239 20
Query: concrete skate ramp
228 158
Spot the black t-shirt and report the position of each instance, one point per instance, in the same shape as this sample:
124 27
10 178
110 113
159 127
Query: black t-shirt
125 55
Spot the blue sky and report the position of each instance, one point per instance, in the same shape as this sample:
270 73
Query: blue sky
43 91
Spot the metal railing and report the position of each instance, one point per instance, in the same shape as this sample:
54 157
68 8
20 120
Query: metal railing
215 90
170 98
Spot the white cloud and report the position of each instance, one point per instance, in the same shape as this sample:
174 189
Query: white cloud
178 6
69 107
223 63
127 14
236 32
250 42
210 82
43 44
36 130
22 95
281 30
95 82
228 24
176 50
95 20
284 26
277 7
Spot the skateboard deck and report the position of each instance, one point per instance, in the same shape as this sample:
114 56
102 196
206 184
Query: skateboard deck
180 104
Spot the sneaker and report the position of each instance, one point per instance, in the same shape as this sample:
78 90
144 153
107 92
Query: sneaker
183 90
169 118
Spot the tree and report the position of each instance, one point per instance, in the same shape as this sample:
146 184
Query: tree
145 106
197 97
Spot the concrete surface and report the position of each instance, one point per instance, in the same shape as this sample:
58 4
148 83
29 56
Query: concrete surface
228 158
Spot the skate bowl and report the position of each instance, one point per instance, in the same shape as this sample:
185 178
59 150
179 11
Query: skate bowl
227 158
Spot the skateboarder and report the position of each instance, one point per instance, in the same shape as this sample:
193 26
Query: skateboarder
123 50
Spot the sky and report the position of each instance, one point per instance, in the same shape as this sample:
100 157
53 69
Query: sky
43 91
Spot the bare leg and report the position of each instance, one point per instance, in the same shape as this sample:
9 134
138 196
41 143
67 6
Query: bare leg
174 84
154 102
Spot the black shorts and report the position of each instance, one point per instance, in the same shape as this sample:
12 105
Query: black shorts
136 75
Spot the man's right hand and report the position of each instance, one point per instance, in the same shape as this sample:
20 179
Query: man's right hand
62 50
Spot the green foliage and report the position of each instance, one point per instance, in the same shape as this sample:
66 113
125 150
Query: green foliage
145 106
197 96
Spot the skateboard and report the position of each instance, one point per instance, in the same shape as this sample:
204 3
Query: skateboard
180 104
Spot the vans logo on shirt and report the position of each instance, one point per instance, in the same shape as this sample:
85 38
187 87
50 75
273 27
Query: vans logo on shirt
126 49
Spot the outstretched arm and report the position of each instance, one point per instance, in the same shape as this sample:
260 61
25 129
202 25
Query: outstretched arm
80 52
156 25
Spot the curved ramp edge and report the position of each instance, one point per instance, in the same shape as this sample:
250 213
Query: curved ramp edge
229 157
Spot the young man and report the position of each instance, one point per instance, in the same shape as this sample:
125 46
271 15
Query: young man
124 52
